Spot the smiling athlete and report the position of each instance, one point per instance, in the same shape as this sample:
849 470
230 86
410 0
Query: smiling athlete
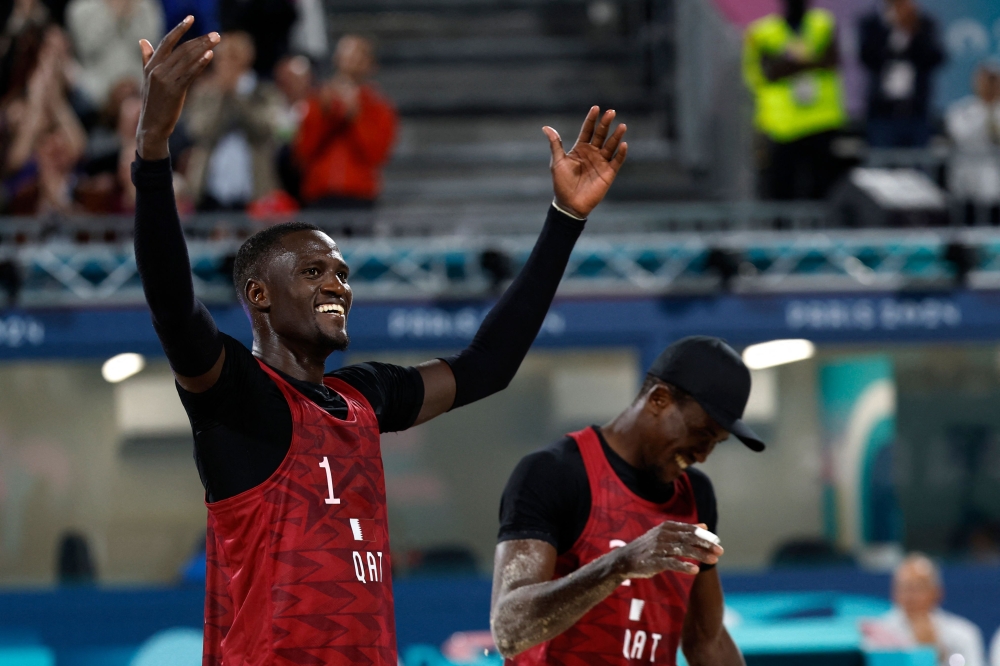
600 533
298 550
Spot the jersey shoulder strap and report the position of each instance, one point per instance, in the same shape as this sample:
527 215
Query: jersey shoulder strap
594 460
348 392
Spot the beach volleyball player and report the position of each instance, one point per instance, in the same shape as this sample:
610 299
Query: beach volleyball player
298 552
607 551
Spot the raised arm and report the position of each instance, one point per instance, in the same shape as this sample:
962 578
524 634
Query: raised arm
580 179
185 328
704 640
529 608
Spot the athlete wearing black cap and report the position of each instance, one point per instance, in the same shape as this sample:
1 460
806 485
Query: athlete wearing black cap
599 533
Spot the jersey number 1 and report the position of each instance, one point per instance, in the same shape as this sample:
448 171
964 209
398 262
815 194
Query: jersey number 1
329 482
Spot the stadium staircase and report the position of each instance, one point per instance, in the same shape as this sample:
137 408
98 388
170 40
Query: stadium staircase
475 80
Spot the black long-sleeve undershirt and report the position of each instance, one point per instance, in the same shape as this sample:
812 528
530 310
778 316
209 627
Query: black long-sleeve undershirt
548 495
241 429
186 330
489 364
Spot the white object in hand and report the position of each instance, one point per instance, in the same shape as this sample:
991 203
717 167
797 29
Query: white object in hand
701 532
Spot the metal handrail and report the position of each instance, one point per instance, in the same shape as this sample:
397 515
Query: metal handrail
62 273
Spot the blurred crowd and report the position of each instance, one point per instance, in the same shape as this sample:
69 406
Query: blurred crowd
263 129
792 64
917 619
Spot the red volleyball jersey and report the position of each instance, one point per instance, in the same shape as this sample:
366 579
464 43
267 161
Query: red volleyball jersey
298 567
641 621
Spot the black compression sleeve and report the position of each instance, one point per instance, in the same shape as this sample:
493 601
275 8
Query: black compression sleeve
185 328
488 364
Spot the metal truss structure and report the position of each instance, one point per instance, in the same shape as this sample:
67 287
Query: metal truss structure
66 273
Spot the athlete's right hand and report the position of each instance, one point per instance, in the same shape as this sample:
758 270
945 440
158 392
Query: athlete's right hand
167 74
658 550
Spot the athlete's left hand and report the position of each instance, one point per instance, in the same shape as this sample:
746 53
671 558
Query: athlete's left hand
583 176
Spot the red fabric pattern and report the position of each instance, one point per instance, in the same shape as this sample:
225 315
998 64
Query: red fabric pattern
288 581
610 633
341 157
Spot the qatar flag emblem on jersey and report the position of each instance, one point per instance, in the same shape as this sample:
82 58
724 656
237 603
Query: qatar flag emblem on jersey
364 530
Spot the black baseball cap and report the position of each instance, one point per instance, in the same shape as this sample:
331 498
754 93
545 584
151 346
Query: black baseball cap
712 373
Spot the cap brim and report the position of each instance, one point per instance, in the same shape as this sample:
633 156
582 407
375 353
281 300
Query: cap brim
746 435
737 428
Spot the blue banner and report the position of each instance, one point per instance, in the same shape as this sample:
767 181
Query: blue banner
640 322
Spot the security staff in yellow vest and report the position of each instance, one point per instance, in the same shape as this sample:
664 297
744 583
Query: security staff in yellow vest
790 63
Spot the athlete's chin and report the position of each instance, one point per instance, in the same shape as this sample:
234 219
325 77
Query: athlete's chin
333 337
669 473
335 342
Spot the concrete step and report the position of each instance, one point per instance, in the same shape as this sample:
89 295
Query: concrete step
637 181
509 138
506 49
482 88
498 158
409 24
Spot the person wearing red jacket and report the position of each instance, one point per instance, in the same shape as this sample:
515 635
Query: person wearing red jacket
347 133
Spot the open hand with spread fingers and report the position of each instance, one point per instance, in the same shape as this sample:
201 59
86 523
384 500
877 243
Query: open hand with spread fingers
582 176
168 72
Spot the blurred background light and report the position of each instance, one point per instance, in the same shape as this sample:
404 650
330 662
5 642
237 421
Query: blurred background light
122 366
777 352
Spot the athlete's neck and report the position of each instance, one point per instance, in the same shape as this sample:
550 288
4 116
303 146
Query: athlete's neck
307 365
622 436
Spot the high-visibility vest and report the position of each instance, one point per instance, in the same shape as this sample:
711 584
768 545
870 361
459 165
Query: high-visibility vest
797 106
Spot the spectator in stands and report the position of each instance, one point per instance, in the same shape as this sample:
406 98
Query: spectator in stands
900 49
232 117
106 35
112 191
973 125
294 77
43 139
20 40
347 133
917 618
790 63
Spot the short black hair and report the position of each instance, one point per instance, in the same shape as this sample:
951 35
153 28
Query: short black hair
258 248
679 396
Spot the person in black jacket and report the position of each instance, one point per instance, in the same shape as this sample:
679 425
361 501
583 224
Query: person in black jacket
900 48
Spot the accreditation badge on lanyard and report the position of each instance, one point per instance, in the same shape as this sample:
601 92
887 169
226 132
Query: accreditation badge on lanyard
805 89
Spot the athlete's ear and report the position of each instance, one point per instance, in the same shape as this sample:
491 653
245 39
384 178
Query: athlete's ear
658 398
256 295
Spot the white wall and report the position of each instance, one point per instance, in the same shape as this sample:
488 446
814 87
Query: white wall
61 468
766 498
62 465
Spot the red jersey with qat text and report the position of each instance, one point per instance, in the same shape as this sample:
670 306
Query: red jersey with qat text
298 567
641 621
